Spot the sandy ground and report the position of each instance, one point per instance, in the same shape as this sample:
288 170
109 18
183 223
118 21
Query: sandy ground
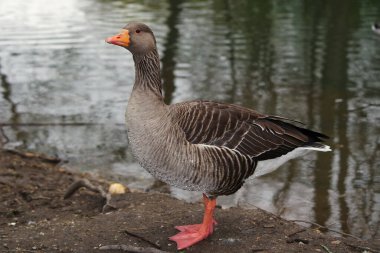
34 217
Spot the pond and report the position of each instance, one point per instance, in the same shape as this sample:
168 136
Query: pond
63 90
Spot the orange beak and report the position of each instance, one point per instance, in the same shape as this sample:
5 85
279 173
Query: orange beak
121 39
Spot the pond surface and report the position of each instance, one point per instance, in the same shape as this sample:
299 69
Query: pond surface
63 90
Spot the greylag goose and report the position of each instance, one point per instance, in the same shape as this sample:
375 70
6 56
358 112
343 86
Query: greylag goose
201 145
376 28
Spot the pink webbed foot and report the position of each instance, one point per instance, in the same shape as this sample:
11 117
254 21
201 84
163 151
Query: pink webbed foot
196 227
191 234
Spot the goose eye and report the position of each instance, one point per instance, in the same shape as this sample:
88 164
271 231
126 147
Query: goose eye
138 31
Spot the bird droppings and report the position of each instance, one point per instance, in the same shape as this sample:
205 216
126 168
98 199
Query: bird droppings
54 225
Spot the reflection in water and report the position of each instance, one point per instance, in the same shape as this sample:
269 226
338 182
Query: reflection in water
63 90
7 94
170 48
335 76
14 118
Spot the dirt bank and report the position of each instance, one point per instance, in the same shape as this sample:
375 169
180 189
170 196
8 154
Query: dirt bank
34 217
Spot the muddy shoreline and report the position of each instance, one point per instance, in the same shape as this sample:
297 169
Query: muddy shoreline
34 217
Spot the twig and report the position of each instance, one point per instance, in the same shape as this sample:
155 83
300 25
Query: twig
326 249
329 229
142 238
33 124
258 250
34 155
40 197
132 249
299 231
85 183
18 250
362 248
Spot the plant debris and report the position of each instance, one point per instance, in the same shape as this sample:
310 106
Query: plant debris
34 217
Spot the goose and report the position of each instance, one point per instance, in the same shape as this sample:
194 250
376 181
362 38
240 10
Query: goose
376 28
204 146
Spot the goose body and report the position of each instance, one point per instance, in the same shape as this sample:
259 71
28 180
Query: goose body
201 145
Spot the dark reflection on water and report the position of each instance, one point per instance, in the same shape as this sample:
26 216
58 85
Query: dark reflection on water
63 90
170 48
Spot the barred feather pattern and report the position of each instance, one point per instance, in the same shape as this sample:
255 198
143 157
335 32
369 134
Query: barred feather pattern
147 72
202 145
258 136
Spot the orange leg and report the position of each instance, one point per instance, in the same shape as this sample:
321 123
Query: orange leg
191 234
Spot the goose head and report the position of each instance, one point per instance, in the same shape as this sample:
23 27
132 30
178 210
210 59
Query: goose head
138 38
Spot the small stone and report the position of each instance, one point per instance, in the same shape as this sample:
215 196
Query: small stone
116 188
31 223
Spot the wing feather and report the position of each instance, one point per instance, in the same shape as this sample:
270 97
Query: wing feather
242 129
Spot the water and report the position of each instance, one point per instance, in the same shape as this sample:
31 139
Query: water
63 91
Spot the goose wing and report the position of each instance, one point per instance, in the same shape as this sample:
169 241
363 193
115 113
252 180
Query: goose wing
256 135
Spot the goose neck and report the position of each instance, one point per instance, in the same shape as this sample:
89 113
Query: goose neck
147 76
